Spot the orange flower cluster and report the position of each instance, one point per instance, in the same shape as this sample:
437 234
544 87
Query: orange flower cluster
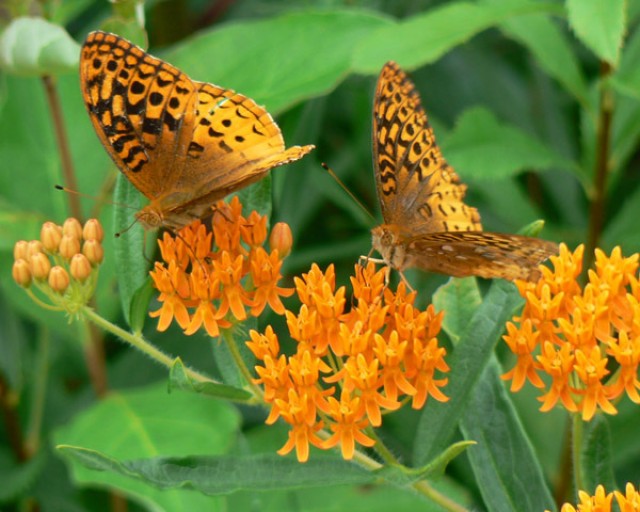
588 337
62 264
202 285
382 350
601 502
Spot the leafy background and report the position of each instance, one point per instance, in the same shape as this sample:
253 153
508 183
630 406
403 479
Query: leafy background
514 90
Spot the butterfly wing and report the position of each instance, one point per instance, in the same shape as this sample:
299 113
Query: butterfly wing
184 144
416 187
479 253
138 106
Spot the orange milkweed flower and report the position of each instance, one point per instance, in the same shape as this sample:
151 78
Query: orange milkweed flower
573 333
602 501
211 278
350 364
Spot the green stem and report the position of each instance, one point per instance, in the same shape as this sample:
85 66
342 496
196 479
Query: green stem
381 449
227 335
141 344
40 303
577 427
422 487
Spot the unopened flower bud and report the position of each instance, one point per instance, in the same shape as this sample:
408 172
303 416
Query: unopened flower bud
69 245
21 250
93 230
34 247
40 265
50 236
72 227
21 273
80 267
94 252
281 239
58 279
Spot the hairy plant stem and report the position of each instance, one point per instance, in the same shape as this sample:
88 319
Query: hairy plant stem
141 344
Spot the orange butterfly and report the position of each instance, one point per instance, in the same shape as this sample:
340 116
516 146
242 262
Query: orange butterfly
183 144
426 223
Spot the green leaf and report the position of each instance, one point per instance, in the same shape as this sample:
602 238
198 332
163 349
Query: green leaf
232 345
600 25
426 37
507 471
477 340
291 60
142 424
457 298
402 476
257 197
139 306
596 465
481 147
179 379
551 49
227 474
129 253
35 47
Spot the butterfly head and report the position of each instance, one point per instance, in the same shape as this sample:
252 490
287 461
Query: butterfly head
151 218
387 239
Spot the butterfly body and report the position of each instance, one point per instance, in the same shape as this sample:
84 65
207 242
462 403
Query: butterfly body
427 225
184 144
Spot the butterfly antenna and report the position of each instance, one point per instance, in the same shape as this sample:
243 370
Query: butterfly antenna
120 233
95 198
344 187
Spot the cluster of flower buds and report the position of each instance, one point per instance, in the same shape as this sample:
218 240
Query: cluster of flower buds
62 264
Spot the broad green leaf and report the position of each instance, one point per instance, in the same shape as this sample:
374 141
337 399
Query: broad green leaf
226 474
457 299
35 47
600 25
257 197
467 362
292 61
139 306
551 49
507 471
426 37
143 424
131 262
179 379
595 455
481 147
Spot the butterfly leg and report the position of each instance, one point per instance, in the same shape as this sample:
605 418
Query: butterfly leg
404 280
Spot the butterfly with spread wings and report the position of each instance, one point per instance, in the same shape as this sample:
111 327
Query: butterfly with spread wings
427 225
184 144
